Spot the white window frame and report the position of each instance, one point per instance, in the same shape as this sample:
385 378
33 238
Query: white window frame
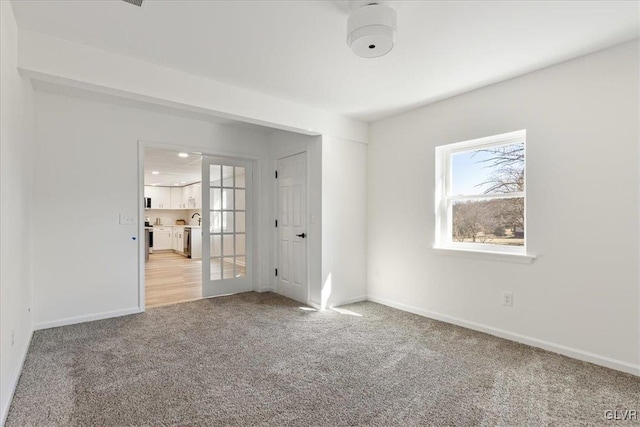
444 201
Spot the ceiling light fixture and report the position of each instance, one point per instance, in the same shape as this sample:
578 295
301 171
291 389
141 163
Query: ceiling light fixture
176 184
134 2
155 173
183 154
372 29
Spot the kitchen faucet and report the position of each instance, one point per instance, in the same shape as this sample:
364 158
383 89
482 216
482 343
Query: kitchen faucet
199 217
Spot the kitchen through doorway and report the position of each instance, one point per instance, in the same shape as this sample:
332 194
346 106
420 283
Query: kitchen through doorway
173 226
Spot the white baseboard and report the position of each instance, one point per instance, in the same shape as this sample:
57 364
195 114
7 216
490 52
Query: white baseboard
88 318
14 382
318 306
534 342
346 301
315 304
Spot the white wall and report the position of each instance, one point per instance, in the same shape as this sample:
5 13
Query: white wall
344 221
86 173
581 295
337 172
337 215
16 141
60 61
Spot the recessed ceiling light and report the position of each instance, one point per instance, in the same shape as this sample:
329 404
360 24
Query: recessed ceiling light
183 154
183 182
154 184
176 184
155 173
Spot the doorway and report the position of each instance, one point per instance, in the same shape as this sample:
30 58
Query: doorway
291 227
172 214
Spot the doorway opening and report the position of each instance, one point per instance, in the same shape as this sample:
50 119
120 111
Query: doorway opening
173 226
196 207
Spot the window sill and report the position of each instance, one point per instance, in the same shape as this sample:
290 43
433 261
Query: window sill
491 256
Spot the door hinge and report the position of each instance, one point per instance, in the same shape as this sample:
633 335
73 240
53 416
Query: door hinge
276 174
276 223
276 271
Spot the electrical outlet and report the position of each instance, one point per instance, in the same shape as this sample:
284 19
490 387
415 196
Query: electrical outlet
127 219
507 299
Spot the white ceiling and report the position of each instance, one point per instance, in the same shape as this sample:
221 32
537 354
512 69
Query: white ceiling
176 171
296 50
173 168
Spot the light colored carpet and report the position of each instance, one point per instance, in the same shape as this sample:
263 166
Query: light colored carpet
260 359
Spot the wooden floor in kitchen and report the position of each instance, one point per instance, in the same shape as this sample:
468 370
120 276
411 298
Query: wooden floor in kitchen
171 278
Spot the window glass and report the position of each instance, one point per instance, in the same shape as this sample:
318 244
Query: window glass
497 169
481 188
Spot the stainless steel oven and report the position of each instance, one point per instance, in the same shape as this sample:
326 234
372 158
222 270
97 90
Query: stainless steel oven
187 242
148 242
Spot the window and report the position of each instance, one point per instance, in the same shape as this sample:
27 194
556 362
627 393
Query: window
480 194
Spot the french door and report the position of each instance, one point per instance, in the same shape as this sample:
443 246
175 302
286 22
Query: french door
226 226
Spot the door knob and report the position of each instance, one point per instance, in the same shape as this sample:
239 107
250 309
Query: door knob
301 235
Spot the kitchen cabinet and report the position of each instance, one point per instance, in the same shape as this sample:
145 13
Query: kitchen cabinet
150 191
160 196
177 200
175 238
178 240
197 195
162 238
194 196
164 198
189 197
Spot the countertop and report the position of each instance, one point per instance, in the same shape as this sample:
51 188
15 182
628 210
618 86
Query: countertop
173 225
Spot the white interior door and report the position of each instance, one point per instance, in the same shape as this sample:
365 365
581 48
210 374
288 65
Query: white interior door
291 219
226 226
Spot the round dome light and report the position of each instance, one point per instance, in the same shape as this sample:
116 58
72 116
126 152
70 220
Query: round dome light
372 30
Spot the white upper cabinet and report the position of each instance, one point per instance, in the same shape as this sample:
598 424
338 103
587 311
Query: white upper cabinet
162 199
197 195
194 198
160 196
154 194
176 198
189 197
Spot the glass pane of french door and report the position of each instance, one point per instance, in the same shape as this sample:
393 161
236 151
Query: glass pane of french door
226 226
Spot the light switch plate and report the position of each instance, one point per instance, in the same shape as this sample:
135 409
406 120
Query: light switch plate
127 219
507 299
